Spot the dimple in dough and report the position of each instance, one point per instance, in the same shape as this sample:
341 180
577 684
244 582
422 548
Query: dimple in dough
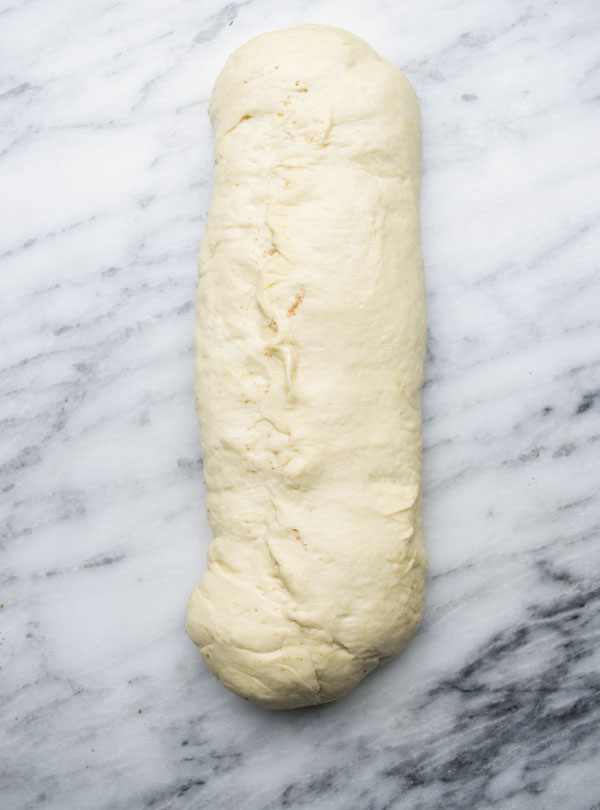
310 341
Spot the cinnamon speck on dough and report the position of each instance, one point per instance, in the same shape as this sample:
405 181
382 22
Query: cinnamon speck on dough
297 301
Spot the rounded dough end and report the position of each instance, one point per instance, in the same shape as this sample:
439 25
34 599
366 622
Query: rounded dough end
305 669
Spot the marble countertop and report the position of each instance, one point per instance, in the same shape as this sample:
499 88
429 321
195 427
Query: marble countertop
105 171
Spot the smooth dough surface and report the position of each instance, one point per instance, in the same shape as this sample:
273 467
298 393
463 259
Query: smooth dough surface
310 342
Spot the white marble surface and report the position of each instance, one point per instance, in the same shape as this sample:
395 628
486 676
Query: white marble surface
105 172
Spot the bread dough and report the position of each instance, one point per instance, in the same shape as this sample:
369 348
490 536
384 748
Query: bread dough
310 344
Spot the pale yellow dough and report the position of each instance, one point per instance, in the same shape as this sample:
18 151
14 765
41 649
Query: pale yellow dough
310 343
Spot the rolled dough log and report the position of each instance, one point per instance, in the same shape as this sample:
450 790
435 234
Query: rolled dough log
310 344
